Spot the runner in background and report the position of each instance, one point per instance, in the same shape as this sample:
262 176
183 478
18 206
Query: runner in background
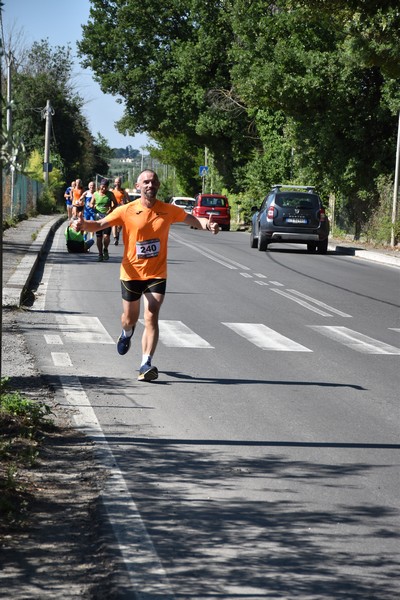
103 202
121 196
88 211
68 198
77 203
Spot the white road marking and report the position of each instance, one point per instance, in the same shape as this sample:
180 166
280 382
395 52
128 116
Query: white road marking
355 340
266 338
176 334
61 359
260 275
246 275
53 339
261 282
81 329
146 573
222 260
302 303
277 283
319 303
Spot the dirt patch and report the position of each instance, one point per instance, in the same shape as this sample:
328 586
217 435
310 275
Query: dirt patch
59 547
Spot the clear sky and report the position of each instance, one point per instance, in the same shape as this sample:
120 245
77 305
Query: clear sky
60 22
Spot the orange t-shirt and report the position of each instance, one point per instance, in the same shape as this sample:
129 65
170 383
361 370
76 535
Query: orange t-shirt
76 194
120 195
145 237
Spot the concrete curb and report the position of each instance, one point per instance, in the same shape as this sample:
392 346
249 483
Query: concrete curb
370 255
17 284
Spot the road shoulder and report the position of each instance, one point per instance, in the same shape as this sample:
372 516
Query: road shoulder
60 549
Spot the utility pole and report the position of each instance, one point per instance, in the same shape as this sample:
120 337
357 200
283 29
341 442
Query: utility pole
1 233
9 58
396 185
203 187
47 114
9 91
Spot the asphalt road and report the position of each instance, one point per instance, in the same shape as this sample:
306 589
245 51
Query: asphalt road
264 462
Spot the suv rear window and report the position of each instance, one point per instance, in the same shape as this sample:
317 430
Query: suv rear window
297 200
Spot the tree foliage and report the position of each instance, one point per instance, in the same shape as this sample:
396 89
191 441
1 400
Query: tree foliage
46 73
164 59
291 90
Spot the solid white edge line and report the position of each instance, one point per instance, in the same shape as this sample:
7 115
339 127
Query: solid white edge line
146 573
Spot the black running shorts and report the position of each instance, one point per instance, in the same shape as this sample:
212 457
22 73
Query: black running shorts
106 231
133 289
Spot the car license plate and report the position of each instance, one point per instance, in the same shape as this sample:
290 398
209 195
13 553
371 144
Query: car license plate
212 212
296 220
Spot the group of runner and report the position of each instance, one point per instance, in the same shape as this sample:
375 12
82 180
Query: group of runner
95 205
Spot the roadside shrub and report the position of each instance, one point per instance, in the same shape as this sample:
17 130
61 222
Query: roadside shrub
378 229
47 203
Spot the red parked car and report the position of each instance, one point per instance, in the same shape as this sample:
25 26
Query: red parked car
215 205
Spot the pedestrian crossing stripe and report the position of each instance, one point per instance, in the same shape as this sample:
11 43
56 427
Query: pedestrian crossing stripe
83 329
175 334
266 338
355 340
61 359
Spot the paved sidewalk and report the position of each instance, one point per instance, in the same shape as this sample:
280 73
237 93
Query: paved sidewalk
23 245
22 248
388 256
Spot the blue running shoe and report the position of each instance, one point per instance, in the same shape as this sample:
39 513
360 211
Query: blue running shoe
147 373
124 343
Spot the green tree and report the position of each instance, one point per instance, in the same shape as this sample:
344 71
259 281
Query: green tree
328 72
166 60
46 74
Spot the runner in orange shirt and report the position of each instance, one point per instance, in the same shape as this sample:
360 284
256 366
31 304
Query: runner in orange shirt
121 197
146 223
77 201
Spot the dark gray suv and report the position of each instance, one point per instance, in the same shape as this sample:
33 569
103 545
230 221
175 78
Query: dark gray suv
290 214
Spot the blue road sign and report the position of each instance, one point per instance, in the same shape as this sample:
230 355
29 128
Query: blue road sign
203 171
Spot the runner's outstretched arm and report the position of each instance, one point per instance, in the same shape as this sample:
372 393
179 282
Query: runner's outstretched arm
81 224
202 223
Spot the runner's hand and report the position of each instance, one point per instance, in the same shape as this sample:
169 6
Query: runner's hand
77 222
212 226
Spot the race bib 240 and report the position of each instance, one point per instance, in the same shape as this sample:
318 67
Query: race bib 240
147 248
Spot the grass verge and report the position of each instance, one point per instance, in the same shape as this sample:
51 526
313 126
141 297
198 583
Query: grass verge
23 423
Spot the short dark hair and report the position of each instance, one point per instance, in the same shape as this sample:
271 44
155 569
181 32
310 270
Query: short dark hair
104 182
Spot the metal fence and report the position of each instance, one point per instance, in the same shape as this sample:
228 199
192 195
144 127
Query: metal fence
20 195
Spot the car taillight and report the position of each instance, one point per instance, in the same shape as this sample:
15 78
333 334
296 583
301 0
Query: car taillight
322 215
270 213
